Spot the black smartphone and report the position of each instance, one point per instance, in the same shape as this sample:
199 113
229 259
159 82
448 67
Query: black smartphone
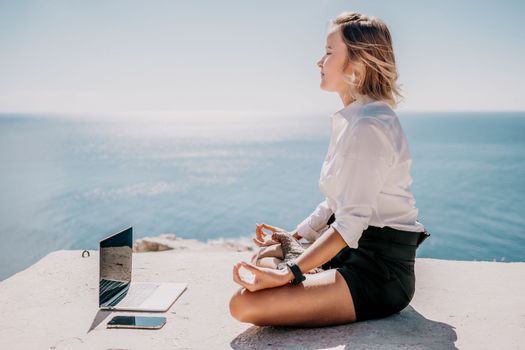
144 322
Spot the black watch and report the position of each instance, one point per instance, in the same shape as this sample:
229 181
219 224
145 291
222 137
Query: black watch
299 277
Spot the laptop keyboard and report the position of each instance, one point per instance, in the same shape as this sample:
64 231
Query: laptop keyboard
137 293
108 285
110 292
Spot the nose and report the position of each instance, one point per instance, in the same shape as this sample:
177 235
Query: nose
320 63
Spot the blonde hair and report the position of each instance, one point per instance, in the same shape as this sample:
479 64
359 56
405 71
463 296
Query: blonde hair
370 50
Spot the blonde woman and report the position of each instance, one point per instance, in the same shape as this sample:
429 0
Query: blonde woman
365 233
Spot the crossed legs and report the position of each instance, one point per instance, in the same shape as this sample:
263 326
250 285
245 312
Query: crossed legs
323 299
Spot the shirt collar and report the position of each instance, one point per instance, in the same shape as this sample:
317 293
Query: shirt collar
352 107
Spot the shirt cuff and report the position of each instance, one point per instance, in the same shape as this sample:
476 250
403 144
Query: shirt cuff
306 231
350 231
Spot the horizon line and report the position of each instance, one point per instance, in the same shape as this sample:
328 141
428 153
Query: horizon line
234 111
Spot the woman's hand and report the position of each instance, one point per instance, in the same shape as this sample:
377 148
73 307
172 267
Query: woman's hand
260 238
263 277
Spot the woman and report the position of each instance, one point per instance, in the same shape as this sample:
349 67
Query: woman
368 250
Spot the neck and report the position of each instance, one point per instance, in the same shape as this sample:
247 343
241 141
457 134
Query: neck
346 98
348 101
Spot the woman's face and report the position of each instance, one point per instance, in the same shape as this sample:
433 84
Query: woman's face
332 63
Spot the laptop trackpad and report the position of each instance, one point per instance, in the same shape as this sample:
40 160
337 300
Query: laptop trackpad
138 293
152 296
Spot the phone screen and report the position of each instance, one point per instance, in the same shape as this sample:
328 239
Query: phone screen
136 322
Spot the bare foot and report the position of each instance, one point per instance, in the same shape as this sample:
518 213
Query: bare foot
291 249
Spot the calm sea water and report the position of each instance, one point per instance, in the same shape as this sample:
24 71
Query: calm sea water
67 183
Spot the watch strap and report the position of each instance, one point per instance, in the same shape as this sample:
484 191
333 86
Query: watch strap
299 277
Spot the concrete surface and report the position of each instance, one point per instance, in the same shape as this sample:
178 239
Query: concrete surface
457 304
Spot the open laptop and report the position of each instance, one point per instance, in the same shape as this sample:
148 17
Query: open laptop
117 292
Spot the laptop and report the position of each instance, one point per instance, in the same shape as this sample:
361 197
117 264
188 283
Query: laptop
117 292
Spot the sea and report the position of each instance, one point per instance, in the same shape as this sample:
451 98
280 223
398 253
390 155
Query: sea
66 182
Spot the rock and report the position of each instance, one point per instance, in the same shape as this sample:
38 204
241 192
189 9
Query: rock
170 236
170 241
241 244
149 245
167 242
485 298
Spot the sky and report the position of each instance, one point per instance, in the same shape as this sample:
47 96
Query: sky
153 56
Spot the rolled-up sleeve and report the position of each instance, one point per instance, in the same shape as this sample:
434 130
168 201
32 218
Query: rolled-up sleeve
364 160
310 227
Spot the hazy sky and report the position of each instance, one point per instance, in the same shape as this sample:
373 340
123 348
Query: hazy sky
109 56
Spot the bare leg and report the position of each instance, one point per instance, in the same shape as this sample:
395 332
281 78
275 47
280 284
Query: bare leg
269 262
291 249
322 299
274 251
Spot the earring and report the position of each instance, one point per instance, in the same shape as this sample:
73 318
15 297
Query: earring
353 78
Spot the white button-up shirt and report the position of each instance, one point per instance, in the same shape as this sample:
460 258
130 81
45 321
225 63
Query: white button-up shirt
365 176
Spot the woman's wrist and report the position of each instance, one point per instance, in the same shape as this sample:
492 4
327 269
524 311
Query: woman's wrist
296 235
286 275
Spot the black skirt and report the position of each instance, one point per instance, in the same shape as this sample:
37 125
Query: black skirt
380 272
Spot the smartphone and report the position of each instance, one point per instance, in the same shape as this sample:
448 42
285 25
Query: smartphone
144 322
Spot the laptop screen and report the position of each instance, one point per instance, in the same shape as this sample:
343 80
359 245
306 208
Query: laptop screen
115 267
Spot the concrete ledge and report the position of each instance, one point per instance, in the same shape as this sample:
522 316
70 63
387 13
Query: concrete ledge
53 305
